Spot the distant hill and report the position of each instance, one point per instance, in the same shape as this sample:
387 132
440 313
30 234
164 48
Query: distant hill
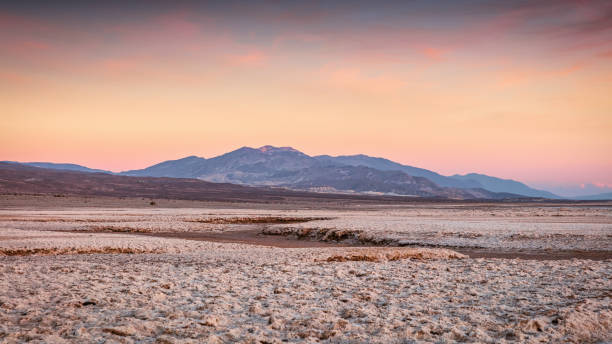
263 166
188 167
469 181
56 166
257 166
597 197
368 180
388 165
504 185
289 168
24 179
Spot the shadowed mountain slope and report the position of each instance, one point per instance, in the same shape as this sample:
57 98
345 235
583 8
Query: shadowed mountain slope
23 179
469 181
596 197
504 185
388 165
188 167
56 166
288 167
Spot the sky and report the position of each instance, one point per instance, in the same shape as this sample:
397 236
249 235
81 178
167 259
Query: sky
513 89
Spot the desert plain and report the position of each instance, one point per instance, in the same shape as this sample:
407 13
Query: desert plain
110 270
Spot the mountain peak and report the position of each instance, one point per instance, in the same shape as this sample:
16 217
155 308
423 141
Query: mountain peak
271 149
287 167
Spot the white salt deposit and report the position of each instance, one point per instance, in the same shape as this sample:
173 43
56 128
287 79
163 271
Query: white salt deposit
192 292
582 228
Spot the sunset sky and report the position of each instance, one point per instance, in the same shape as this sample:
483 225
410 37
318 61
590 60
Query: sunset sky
513 89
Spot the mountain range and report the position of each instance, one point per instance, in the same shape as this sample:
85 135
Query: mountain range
56 166
18 178
596 197
289 168
22 179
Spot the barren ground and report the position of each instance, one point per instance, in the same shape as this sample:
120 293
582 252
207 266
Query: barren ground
121 271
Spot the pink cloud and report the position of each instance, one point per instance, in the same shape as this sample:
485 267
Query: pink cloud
10 20
514 76
180 23
355 80
250 58
121 65
607 54
435 54
148 68
14 77
35 45
27 49
297 37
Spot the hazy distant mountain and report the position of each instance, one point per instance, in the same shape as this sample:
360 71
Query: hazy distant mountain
597 197
388 165
574 191
24 179
368 180
469 181
56 166
504 185
188 167
262 166
290 168
266 165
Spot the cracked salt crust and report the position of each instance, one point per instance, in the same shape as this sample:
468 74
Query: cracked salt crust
193 292
229 293
564 228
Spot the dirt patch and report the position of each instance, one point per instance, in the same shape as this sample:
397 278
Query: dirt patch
350 236
249 237
59 220
111 229
534 254
72 250
259 237
385 255
258 220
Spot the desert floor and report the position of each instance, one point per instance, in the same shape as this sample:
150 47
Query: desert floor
122 270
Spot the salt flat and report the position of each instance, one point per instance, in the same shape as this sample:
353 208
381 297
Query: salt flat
89 275
518 227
